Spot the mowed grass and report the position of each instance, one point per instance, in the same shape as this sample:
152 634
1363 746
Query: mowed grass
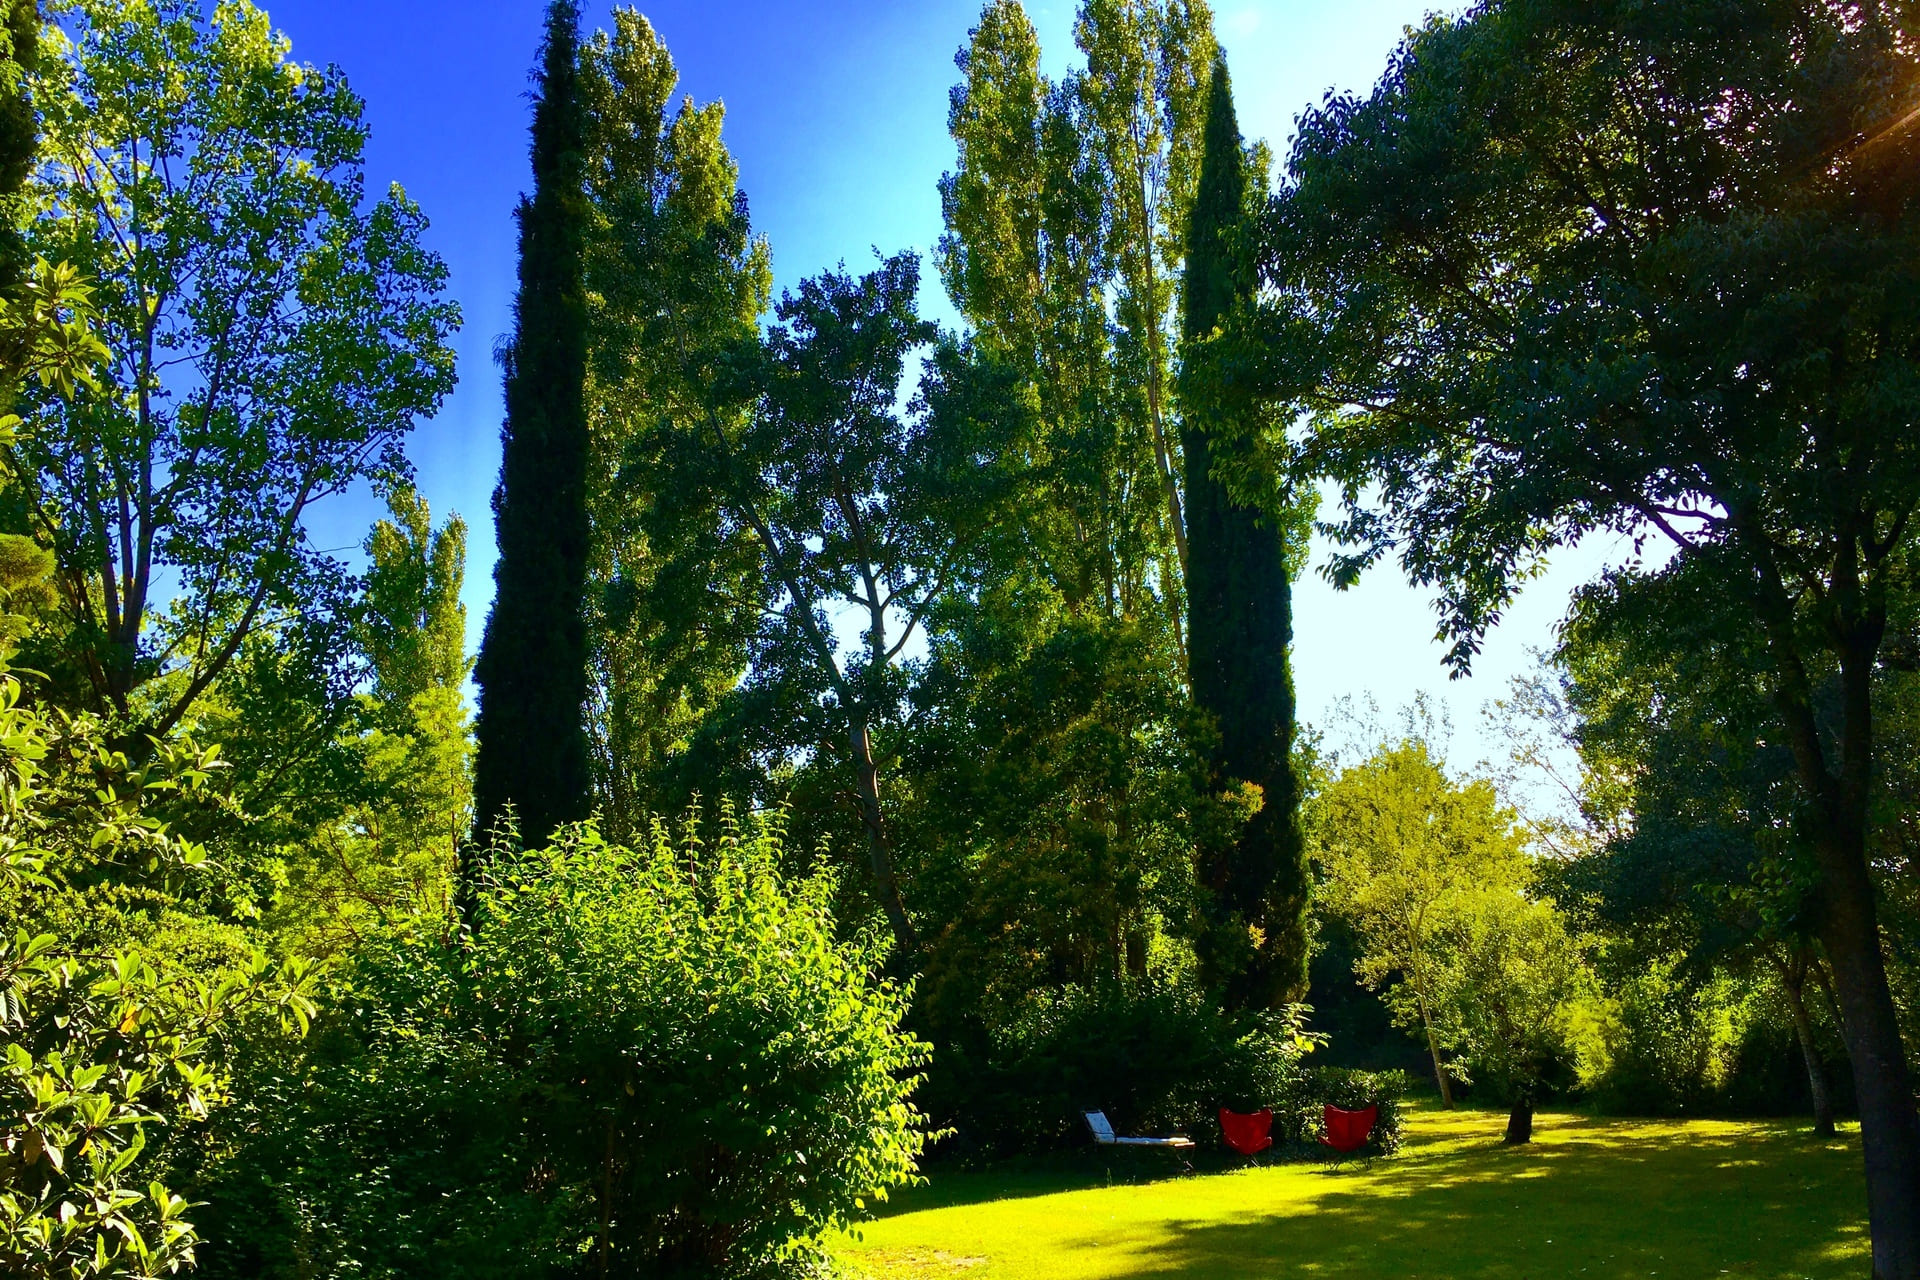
1589 1198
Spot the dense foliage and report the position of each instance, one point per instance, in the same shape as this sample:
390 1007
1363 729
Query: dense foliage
270 335
1645 269
657 1060
1239 609
979 638
530 761
119 1002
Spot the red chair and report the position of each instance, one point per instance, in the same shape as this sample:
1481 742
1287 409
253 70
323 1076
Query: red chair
1348 1131
1249 1135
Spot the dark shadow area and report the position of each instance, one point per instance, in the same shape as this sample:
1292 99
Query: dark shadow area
1021 1177
1600 1201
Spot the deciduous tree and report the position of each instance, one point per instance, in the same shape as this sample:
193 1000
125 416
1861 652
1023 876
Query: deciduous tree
676 283
273 337
1588 267
1145 92
1405 853
857 512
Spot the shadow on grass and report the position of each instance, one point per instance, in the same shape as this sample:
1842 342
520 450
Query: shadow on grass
1089 1168
1085 1170
1596 1199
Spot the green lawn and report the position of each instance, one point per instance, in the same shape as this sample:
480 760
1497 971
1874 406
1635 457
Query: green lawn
1597 1198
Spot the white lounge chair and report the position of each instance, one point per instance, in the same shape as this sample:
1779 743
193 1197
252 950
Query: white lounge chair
1104 1135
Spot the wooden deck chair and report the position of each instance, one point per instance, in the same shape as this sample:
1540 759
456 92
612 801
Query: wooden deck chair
1104 1135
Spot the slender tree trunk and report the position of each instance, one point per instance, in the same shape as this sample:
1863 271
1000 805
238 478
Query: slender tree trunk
1825 981
1156 391
879 851
1793 981
1439 1071
606 1204
1433 1041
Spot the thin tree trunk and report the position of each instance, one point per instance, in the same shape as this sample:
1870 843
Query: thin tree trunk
1793 979
1163 456
1825 981
1439 1071
1433 1041
1147 287
879 851
606 1204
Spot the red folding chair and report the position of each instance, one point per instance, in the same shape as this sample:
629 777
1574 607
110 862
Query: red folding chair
1247 1134
1348 1131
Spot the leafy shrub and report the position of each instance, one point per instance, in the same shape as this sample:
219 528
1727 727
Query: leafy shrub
104 1043
1671 1044
1298 1115
1769 1073
657 1060
1718 1044
1157 1058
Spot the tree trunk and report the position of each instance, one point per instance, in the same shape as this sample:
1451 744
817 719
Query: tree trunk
1793 980
879 852
1520 1124
1889 1127
1433 1041
1439 1072
606 1204
1847 923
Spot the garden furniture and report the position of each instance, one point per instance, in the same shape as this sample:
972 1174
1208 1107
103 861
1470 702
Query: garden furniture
1348 1131
1104 1135
1248 1134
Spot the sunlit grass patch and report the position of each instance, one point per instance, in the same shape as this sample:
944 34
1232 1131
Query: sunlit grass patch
1599 1198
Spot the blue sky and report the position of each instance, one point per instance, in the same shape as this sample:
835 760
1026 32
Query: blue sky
836 112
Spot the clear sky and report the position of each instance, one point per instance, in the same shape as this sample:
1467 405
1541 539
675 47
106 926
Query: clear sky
836 112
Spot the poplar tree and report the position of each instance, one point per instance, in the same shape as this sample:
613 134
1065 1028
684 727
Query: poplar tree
1145 81
1028 260
532 756
676 281
1240 618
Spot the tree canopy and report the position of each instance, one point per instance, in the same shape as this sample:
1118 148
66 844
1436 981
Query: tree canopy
1573 268
273 338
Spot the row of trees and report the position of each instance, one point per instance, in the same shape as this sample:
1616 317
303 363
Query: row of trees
1007 641
998 658
245 1030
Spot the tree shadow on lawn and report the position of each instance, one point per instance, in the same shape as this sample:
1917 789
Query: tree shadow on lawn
1591 1198
1088 1169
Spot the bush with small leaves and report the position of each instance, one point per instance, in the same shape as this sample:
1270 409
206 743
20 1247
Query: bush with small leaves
658 1061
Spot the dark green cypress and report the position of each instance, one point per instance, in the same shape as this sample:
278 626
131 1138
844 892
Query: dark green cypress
19 134
532 672
1240 621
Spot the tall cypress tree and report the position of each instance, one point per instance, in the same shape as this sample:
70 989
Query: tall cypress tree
532 672
20 28
1240 619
